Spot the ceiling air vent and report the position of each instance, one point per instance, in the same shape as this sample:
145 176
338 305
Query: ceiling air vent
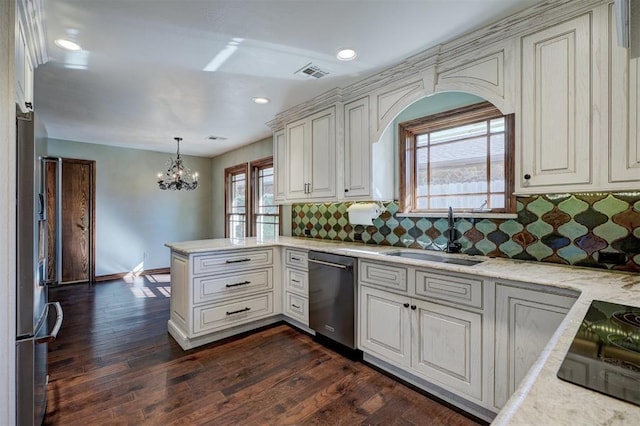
311 71
216 138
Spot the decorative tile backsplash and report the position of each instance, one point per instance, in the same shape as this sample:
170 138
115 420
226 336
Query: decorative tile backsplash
564 228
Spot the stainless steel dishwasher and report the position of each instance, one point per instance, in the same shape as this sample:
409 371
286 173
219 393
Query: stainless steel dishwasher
332 297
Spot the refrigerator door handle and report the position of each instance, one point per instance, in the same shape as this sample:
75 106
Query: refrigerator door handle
56 328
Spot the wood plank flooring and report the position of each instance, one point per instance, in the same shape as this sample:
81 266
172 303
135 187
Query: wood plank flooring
114 363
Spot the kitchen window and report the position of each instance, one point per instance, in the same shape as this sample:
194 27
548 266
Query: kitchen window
265 214
461 158
249 200
236 201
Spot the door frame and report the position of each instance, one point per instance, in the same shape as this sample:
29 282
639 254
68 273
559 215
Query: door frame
92 213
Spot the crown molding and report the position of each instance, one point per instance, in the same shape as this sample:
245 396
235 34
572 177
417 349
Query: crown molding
544 14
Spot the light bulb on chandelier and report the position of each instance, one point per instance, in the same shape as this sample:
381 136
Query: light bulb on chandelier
177 177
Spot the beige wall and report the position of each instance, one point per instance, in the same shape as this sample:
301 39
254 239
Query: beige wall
245 154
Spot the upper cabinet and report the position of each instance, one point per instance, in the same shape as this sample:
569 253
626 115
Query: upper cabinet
279 164
311 157
624 114
557 66
23 70
556 128
30 50
579 125
357 149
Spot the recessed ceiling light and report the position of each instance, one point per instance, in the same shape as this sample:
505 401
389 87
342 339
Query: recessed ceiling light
260 100
67 44
346 54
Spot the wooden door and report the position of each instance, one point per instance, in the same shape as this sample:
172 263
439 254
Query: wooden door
77 220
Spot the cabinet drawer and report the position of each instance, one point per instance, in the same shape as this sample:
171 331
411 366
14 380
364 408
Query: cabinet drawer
232 261
296 281
218 286
234 312
452 288
295 258
383 275
297 307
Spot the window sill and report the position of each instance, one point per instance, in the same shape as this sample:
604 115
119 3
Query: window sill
477 215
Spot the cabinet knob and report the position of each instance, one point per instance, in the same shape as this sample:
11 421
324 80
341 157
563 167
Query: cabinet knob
406 305
413 307
527 176
346 190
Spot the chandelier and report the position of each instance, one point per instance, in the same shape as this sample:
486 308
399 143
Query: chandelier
177 176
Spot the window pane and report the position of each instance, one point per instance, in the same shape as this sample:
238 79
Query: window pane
459 132
461 167
266 212
497 201
497 125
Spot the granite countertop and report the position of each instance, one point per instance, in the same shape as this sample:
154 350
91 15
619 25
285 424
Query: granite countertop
541 398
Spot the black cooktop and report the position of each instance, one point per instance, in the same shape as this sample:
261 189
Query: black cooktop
605 353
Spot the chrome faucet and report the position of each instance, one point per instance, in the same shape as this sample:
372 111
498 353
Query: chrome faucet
453 246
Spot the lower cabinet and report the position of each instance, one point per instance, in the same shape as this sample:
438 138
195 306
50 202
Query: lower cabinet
447 346
221 293
478 354
296 285
525 321
439 343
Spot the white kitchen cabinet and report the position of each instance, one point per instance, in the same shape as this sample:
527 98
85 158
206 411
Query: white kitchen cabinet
357 149
215 293
525 320
384 325
23 70
448 347
557 132
624 114
311 157
296 285
280 166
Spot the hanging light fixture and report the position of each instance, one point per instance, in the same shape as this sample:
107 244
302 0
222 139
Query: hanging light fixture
177 176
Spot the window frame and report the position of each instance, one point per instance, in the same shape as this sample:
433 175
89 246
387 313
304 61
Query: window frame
408 131
255 166
229 172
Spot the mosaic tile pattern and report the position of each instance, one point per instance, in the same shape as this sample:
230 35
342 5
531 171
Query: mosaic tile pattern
563 228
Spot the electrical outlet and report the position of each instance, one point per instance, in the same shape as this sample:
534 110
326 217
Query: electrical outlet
307 232
614 258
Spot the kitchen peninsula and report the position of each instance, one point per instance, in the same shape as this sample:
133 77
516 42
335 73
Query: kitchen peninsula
258 285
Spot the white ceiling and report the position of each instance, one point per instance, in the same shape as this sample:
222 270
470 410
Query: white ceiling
140 79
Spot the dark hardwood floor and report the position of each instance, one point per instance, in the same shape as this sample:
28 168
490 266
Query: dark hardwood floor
114 363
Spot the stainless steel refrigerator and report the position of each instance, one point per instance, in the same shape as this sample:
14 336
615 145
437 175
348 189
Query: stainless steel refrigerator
37 320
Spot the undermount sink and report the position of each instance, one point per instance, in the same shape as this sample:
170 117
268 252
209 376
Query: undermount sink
433 258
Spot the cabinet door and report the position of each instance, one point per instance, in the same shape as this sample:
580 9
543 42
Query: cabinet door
447 347
296 181
21 59
323 154
525 321
556 127
384 326
280 165
624 114
357 149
